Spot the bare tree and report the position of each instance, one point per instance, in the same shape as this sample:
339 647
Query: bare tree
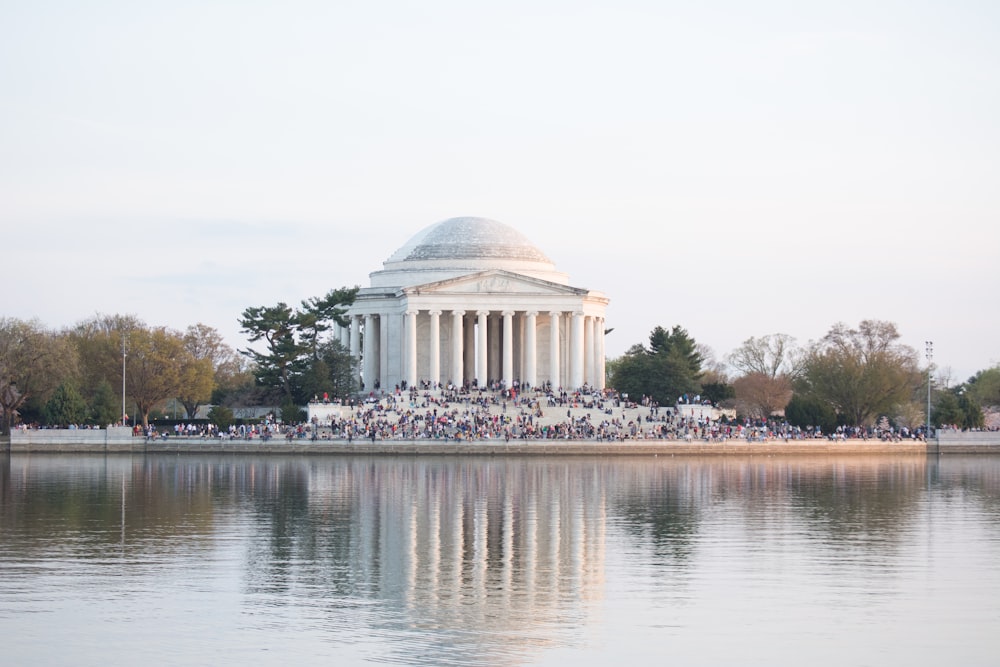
33 362
712 369
771 355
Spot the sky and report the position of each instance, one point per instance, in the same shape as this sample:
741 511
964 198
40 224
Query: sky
737 169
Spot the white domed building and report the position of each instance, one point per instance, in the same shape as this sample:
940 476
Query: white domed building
472 301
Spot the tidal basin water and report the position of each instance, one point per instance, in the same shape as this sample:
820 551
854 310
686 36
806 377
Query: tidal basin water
229 560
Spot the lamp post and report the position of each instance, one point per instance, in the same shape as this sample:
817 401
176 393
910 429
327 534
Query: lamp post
929 353
123 379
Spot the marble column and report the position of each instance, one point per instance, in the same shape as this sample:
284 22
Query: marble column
411 348
387 346
470 347
508 348
483 356
554 370
589 351
518 344
457 351
356 345
337 332
371 346
494 362
530 349
576 352
434 351
601 358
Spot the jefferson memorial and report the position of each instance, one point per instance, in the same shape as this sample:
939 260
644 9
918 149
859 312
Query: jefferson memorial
470 301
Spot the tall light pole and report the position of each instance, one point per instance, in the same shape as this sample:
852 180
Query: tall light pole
123 378
929 353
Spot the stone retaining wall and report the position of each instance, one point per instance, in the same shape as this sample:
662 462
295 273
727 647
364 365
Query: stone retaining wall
968 442
115 439
121 440
479 447
547 447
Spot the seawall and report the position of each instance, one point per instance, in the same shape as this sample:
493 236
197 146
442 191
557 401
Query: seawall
120 440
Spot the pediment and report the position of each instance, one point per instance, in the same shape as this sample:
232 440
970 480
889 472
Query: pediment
494 282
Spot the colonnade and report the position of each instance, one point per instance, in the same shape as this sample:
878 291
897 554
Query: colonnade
565 348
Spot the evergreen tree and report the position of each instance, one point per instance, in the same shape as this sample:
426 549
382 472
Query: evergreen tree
65 407
105 405
717 392
221 416
291 413
954 407
983 388
295 347
284 358
319 314
669 368
807 411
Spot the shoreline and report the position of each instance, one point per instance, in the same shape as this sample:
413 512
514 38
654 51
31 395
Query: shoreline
68 442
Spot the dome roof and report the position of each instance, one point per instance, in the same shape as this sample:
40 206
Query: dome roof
460 246
468 238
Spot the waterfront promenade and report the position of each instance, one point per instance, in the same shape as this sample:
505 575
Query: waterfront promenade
101 441
488 423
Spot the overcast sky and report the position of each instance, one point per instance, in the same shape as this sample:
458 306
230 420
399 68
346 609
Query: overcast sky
735 168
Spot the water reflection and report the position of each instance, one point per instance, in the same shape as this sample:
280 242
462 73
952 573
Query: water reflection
459 560
466 554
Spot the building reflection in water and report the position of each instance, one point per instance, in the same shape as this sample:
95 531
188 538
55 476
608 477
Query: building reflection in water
499 547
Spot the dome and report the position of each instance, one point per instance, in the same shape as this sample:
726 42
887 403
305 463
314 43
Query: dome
468 239
460 246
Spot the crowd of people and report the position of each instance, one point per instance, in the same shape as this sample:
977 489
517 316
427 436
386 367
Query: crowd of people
494 412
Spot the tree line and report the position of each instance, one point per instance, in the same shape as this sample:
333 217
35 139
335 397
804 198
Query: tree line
111 369
851 377
107 366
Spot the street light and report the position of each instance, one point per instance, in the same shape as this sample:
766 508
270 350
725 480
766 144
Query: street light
929 353
123 378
